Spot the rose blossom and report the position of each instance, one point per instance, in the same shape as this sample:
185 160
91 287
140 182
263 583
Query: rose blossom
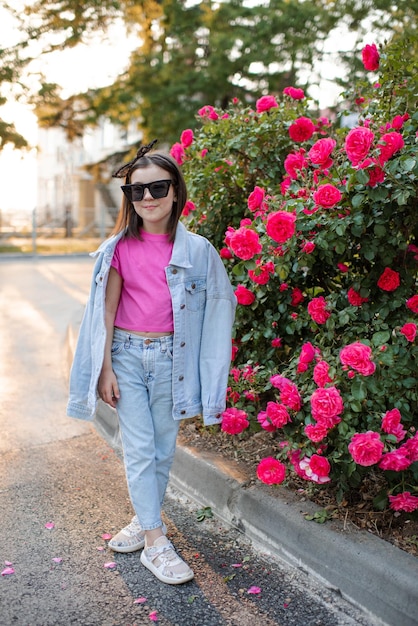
281 226
294 163
265 103
297 297
389 280
316 468
409 331
234 421
271 471
318 311
358 356
256 199
277 342
188 207
404 502
354 298
412 304
411 448
186 138
307 355
245 243
209 112
370 57
391 424
320 374
320 152
294 93
263 420
177 152
225 253
392 142
308 247
289 393
376 174
277 414
326 405
244 296
397 461
357 144
316 432
262 274
327 196
366 448
302 129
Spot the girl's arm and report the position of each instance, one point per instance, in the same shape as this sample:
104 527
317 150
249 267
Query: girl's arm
108 385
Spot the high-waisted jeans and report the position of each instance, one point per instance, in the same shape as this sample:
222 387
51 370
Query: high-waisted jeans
143 368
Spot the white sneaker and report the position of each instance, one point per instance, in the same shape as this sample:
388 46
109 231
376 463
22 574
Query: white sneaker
130 538
162 560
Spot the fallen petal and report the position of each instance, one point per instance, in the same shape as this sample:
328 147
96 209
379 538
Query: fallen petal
106 536
8 563
50 525
254 589
101 548
236 565
7 571
141 600
57 559
110 565
153 616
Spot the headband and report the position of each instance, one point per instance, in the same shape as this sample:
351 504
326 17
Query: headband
123 171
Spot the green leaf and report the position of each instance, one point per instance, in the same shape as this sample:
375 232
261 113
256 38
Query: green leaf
380 338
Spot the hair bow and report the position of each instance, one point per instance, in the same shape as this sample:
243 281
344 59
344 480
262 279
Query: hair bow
123 171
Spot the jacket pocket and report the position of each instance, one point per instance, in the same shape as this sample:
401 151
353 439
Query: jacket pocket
195 294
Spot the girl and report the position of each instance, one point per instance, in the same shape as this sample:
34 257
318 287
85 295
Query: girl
154 343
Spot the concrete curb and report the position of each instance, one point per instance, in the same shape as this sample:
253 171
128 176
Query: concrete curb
367 571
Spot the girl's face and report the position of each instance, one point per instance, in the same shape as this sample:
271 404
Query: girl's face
155 212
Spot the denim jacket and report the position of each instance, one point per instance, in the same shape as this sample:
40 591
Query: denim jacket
203 308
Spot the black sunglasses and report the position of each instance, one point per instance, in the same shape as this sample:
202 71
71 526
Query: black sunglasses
158 189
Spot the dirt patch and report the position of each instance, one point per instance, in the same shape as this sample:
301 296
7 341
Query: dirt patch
356 509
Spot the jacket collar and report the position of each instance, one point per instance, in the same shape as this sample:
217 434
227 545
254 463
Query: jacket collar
180 256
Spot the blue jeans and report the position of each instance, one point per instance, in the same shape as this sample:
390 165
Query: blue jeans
143 368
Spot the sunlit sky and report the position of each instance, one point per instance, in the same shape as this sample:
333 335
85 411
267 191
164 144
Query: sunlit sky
76 70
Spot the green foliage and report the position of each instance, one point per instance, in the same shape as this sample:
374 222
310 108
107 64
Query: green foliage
338 254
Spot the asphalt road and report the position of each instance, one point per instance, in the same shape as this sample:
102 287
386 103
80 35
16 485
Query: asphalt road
62 488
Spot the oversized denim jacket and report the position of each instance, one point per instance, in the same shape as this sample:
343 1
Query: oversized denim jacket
203 307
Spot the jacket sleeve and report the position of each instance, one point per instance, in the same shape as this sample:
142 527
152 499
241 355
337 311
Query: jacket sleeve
216 343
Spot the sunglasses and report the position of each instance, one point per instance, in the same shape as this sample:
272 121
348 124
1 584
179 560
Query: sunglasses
157 189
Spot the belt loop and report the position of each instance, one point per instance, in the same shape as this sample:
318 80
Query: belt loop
127 343
163 344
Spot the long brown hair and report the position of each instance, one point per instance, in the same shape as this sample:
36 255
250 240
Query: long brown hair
128 220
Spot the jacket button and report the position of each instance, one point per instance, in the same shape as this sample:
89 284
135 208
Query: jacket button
183 343
182 306
181 377
183 412
174 271
194 286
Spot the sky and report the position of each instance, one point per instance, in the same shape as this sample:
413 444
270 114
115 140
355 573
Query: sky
77 70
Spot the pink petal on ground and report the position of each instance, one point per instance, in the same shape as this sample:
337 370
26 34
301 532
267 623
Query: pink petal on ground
141 600
236 565
8 563
57 559
7 571
153 616
101 548
106 536
110 565
50 525
254 589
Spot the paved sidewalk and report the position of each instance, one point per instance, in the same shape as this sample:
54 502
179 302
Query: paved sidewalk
367 571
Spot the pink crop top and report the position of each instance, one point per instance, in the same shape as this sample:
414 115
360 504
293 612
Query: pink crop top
145 301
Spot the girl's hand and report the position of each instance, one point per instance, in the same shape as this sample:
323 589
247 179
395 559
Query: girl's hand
108 387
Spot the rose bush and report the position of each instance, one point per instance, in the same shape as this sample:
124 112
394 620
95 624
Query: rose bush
318 228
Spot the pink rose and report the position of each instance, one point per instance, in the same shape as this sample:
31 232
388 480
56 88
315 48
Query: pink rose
256 199
302 129
225 253
277 342
188 207
397 461
186 138
277 414
271 471
411 448
327 196
281 226
244 295
320 152
409 331
370 57
316 432
389 280
316 468
209 112
404 502
297 297
412 304
294 93
317 309
354 298
358 356
262 274
245 243
265 423
234 421
366 448
320 374
308 247
265 103
391 421
289 393
326 405
294 163
177 152
307 355
388 145
375 173
357 144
